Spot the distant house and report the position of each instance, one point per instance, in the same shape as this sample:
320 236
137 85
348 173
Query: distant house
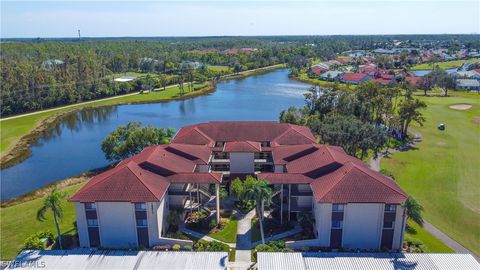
125 79
385 81
413 80
50 63
192 64
319 69
355 78
471 74
468 84
344 60
369 69
331 75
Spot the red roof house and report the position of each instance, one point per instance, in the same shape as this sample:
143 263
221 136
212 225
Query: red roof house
355 78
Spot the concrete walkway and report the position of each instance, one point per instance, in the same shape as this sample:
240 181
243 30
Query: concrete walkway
295 230
457 247
244 244
203 236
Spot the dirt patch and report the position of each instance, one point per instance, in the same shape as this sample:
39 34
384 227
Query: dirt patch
476 120
461 107
441 143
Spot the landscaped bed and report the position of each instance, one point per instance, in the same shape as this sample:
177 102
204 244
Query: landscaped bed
226 231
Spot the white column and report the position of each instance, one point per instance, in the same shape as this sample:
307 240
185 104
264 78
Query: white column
217 191
281 203
289 199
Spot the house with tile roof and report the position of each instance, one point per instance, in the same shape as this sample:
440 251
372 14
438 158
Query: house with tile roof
353 206
355 78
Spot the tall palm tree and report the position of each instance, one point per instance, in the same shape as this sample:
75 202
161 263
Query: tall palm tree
53 202
261 193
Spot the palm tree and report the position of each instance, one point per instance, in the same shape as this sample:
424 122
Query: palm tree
174 218
414 210
53 202
261 193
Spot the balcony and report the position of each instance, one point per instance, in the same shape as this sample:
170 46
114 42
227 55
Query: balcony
296 192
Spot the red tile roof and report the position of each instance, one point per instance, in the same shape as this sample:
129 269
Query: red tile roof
245 146
413 80
333 175
127 182
285 178
356 184
196 177
353 77
274 132
383 81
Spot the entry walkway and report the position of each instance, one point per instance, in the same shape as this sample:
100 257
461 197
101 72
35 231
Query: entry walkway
203 236
243 258
295 230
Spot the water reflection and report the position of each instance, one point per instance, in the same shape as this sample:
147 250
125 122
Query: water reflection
72 146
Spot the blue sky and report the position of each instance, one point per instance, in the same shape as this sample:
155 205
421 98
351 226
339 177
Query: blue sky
214 18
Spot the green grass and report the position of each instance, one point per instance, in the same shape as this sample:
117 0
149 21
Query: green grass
19 222
433 244
445 65
11 130
220 69
442 172
228 234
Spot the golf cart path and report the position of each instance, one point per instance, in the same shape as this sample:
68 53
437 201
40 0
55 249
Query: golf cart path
457 247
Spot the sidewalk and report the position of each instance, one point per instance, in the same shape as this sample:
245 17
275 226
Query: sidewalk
244 243
203 236
295 230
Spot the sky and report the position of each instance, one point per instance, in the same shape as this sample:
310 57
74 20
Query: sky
236 18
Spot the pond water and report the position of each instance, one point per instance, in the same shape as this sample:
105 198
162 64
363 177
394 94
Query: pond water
421 73
73 145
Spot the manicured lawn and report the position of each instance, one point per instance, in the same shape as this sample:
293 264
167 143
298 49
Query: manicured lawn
228 234
433 244
445 65
443 171
220 69
13 129
18 222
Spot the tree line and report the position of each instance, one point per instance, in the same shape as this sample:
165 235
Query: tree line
43 73
361 119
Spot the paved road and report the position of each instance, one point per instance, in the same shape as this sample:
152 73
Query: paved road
457 247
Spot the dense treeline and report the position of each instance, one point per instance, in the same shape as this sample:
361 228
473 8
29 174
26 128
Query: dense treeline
359 120
38 74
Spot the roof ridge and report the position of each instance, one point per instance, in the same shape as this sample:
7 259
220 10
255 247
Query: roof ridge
369 172
141 180
111 171
339 172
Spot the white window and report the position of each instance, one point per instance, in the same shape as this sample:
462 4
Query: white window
90 206
338 207
140 207
388 224
337 224
92 222
142 222
390 207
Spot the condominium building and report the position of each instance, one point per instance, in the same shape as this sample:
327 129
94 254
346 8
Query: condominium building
352 205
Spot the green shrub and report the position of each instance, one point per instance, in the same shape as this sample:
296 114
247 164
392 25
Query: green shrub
187 248
176 247
34 242
213 223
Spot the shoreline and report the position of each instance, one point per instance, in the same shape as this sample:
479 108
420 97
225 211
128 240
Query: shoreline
21 149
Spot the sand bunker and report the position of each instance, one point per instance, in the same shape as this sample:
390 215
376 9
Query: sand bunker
461 107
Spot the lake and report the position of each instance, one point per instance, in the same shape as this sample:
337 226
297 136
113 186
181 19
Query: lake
73 145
